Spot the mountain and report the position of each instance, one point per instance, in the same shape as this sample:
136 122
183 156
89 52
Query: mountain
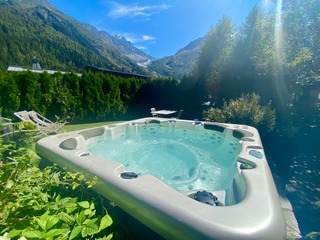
123 46
36 28
131 52
180 64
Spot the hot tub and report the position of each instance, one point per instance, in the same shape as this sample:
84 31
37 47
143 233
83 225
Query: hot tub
183 179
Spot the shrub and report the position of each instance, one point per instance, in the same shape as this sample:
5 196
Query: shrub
47 203
245 110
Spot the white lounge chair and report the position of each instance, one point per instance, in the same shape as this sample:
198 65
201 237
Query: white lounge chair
162 113
153 112
43 124
179 114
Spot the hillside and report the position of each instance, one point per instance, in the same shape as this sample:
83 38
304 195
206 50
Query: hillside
122 45
180 64
36 28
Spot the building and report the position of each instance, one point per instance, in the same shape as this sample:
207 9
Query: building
36 68
116 73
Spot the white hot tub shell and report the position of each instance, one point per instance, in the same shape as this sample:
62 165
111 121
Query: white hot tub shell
255 212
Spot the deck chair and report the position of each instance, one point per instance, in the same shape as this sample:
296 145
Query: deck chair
153 112
179 114
43 124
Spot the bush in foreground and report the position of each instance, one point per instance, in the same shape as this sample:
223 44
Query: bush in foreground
47 203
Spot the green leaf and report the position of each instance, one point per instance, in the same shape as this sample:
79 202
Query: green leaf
51 221
106 221
87 212
81 177
14 233
90 229
84 204
73 175
58 198
313 235
55 178
44 197
69 204
75 232
75 185
91 183
42 221
71 208
33 234
81 218
66 217
9 184
92 206
54 232
109 237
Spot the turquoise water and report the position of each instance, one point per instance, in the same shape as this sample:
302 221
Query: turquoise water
182 158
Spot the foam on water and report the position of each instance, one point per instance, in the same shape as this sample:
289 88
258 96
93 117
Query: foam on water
182 158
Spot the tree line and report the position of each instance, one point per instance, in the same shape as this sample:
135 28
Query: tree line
89 97
274 54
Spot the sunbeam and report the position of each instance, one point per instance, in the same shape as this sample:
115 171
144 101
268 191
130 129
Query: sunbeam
279 33
278 71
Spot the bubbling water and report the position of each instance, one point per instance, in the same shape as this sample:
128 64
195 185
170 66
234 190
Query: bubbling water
184 159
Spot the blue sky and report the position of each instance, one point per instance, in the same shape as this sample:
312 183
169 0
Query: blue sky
159 28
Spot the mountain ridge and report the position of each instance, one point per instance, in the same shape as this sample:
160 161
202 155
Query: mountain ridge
37 28
181 63
31 28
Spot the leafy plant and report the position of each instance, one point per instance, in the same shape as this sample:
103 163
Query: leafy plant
313 235
245 110
37 204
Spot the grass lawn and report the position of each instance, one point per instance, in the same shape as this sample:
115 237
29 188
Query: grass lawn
74 127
